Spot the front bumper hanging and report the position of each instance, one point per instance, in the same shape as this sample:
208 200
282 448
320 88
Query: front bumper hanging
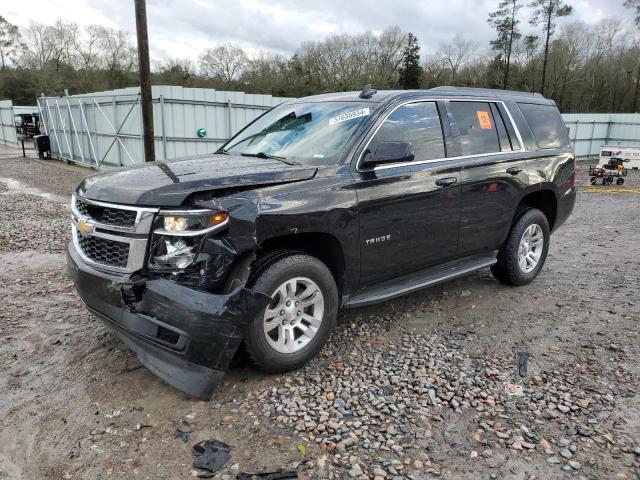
186 337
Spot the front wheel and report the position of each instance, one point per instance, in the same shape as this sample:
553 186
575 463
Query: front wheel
524 252
296 324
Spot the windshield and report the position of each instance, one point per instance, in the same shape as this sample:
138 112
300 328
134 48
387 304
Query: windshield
315 131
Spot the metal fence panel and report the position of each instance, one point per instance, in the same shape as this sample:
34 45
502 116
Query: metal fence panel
7 123
589 131
104 129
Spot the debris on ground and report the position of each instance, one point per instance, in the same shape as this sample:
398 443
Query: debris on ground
267 476
211 455
523 360
184 435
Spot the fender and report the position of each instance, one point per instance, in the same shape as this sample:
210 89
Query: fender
327 207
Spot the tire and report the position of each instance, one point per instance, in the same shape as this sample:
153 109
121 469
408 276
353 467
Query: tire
592 180
304 272
620 181
508 269
604 181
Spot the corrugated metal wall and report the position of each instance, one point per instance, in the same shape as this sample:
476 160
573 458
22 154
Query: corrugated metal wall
103 129
7 123
589 131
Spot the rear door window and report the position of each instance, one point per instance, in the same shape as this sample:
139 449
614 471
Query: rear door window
473 127
546 124
416 123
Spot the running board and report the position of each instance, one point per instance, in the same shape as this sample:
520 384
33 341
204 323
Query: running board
417 280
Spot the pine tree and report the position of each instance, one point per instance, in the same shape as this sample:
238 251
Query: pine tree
410 71
506 24
546 12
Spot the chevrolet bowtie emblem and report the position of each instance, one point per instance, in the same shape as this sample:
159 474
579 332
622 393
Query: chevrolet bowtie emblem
83 227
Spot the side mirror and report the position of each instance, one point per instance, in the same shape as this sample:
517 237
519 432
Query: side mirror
389 152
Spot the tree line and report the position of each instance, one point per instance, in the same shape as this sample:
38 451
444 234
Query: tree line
583 67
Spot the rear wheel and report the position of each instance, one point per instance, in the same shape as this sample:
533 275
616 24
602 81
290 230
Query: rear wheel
296 324
524 252
620 181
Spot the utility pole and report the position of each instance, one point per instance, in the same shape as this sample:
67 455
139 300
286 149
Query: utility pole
146 105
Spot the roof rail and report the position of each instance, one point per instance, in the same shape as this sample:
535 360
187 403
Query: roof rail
486 91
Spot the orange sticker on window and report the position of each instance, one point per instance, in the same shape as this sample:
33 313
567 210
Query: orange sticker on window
484 119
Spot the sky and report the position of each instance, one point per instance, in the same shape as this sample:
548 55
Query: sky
184 28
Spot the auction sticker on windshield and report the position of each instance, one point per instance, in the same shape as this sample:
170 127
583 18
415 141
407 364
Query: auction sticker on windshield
343 117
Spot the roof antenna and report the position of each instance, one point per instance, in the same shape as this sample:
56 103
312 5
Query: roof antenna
367 91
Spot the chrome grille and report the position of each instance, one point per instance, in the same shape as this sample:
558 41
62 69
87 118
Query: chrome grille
111 236
107 215
105 252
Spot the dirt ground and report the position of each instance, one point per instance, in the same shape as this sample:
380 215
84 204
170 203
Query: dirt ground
76 404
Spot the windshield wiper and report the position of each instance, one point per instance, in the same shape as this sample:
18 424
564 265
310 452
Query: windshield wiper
270 157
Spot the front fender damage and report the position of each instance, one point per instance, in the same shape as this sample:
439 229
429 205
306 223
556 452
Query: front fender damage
210 326
215 266
197 332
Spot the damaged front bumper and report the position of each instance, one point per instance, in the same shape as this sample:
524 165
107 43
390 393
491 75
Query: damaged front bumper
186 337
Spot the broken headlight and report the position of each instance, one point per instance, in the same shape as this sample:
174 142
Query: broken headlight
177 236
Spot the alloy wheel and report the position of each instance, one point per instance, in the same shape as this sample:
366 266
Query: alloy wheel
294 316
530 249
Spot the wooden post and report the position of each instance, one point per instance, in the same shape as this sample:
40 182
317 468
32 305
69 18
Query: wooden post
146 105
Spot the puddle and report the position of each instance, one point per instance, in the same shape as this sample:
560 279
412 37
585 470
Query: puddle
15 186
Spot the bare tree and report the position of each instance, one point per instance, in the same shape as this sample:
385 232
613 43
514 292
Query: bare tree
391 44
456 53
88 50
226 62
116 49
49 44
177 71
10 42
347 62
635 5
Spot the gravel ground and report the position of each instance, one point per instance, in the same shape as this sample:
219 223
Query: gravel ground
469 379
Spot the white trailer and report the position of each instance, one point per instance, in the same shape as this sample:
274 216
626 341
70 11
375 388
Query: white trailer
632 154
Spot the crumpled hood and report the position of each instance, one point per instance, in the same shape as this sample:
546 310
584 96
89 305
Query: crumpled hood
169 183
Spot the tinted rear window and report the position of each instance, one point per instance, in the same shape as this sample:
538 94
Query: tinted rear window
473 127
546 124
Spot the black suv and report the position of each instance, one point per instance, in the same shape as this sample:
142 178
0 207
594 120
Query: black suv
325 202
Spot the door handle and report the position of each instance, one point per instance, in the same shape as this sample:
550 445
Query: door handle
446 181
514 170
